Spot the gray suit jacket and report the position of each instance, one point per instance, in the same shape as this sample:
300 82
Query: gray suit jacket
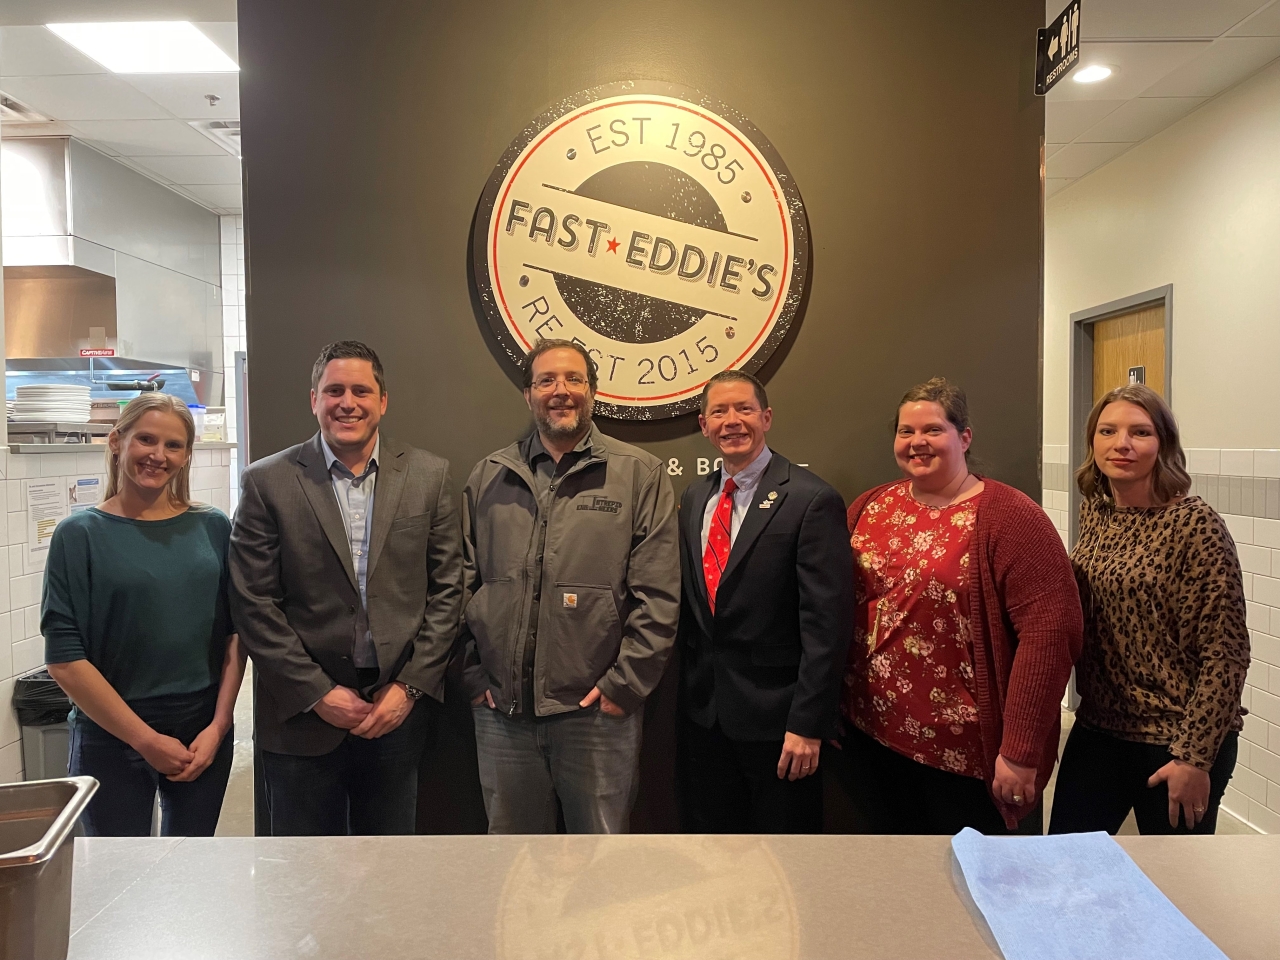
295 596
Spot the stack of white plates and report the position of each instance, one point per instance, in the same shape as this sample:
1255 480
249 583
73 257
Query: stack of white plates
57 402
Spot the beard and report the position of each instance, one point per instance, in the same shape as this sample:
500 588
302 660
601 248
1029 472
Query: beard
564 429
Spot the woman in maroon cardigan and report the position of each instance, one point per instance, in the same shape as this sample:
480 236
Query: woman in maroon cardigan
968 622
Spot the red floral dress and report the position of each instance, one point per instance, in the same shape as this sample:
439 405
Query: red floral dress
909 682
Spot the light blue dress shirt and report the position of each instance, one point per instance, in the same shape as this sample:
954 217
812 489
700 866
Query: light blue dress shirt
747 479
355 500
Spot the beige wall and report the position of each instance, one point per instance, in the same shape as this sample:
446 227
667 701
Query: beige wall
1197 206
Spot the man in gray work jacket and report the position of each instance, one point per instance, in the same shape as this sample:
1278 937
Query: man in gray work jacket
573 587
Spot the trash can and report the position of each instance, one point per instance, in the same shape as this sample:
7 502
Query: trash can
42 710
36 823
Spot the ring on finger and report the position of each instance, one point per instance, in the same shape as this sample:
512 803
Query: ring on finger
1017 798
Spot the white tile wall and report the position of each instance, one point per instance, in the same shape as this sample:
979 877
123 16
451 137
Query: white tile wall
22 582
234 335
1254 794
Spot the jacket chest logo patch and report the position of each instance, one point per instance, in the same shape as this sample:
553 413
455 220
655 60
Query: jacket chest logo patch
601 505
571 601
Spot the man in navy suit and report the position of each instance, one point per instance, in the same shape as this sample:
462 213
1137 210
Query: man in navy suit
765 622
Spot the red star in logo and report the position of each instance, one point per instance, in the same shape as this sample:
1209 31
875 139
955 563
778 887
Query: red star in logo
613 245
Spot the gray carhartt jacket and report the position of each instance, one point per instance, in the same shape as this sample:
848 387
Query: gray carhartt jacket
610 595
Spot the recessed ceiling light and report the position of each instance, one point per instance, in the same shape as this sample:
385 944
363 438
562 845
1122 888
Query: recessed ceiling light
156 47
1091 74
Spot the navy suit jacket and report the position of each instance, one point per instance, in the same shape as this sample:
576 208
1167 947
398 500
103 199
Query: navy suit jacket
771 658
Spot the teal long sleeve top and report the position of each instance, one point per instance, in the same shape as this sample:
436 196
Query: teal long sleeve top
144 601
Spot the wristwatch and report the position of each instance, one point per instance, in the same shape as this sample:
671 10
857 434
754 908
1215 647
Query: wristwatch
412 692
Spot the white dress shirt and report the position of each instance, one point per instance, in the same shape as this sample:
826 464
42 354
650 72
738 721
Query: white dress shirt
747 479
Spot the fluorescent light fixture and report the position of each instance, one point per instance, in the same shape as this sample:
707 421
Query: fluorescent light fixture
156 47
1091 74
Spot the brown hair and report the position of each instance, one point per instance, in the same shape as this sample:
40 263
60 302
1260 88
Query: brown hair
144 403
1169 477
541 347
736 376
947 395
348 350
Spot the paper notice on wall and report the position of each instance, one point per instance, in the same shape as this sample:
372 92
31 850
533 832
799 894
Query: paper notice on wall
83 493
46 507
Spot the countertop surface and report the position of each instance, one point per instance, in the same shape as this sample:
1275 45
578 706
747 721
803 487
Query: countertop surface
599 898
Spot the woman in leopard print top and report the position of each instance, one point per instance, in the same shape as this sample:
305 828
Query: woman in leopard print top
1166 648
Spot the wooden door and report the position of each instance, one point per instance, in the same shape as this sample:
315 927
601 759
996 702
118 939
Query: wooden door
1133 339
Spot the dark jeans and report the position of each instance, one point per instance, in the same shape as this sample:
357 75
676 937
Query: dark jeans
894 794
1103 777
732 786
361 787
122 807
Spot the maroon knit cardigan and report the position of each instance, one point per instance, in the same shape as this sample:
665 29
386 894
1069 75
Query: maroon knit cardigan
1024 610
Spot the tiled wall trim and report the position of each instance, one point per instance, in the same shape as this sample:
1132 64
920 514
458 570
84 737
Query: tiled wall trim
1242 496
22 582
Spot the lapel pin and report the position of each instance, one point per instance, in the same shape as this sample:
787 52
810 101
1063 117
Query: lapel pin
773 494
766 504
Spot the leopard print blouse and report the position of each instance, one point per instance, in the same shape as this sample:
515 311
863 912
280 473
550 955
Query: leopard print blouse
1165 643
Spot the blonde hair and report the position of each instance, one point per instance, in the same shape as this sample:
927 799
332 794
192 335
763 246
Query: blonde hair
1169 477
135 410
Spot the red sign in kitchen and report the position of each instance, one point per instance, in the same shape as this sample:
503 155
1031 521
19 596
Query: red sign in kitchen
97 352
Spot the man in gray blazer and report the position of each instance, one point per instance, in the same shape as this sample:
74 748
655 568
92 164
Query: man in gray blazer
346 571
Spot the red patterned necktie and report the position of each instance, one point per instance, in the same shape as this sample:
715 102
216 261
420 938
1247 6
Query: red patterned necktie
716 555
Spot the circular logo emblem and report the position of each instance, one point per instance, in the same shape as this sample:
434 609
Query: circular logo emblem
674 897
657 228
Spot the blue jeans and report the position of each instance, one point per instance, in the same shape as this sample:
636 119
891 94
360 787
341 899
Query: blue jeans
122 807
360 788
588 759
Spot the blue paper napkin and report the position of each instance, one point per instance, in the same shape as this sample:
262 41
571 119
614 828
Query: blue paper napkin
1073 897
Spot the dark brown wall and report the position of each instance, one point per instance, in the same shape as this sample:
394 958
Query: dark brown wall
910 128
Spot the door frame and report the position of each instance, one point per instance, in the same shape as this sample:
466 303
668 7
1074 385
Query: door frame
1080 390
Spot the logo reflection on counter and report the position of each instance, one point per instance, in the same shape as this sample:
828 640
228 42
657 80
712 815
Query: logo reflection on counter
656 227
700 898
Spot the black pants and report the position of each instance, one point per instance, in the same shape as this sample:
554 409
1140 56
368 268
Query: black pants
732 786
362 787
893 794
1103 777
127 784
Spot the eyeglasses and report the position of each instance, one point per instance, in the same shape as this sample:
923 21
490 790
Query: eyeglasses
572 382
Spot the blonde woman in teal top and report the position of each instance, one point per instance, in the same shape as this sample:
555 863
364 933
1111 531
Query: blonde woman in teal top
138 634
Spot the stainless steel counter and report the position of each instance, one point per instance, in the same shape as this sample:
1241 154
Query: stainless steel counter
598 898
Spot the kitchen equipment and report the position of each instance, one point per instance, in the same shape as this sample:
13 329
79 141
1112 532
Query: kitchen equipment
198 414
51 401
36 823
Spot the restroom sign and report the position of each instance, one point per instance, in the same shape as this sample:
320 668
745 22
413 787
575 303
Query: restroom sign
658 228
1058 49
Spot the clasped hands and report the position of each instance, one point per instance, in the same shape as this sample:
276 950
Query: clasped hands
344 708
179 763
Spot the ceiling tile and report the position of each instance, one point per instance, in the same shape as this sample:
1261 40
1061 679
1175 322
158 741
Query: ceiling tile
1077 159
1139 119
189 170
1149 19
217 195
1064 120
83 97
225 35
38 52
1137 66
1052 186
83 11
1265 24
1224 64
1051 148
149 138
183 95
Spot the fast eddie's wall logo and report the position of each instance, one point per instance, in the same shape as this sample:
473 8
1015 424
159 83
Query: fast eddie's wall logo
659 229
